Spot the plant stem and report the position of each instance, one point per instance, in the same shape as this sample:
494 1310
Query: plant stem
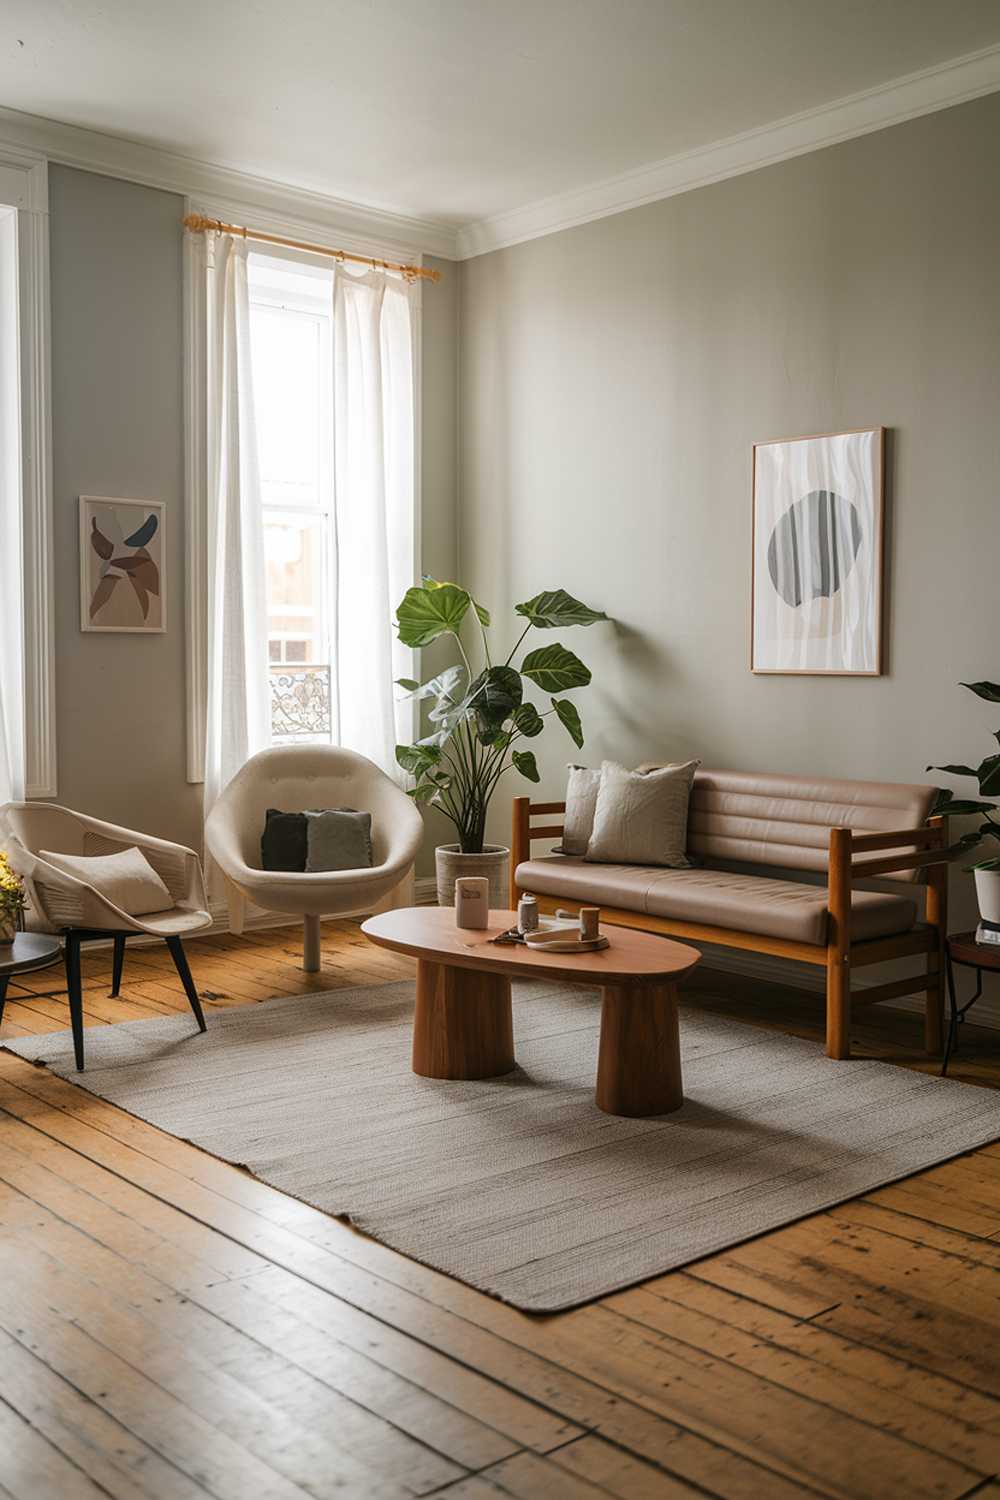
517 643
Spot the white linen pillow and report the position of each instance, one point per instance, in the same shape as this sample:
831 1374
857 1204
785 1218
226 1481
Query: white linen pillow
581 800
641 816
126 879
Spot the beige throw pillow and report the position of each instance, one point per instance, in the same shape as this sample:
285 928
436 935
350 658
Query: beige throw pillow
126 879
581 800
641 816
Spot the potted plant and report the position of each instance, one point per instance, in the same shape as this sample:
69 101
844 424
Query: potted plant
482 718
987 774
12 900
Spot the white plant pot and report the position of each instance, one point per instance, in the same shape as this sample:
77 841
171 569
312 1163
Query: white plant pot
494 863
988 895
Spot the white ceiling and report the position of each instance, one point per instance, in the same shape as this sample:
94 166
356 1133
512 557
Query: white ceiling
459 110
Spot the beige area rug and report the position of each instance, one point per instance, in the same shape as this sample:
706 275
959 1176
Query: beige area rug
521 1186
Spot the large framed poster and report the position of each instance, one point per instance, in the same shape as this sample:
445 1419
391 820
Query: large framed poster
818 517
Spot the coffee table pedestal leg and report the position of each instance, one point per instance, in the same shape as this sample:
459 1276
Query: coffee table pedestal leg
639 1065
462 1025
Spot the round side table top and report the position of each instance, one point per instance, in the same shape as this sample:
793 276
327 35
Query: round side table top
429 932
964 949
29 950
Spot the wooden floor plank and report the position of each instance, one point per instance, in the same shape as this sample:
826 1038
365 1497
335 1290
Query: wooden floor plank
815 1368
158 1389
118 1462
33 1468
870 1329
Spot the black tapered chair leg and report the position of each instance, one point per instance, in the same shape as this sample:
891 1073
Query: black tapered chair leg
3 994
119 963
181 965
74 987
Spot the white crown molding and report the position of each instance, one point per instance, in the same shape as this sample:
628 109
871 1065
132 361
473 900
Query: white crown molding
24 186
931 89
114 156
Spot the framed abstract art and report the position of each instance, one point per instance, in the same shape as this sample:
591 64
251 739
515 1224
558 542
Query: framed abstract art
818 518
122 556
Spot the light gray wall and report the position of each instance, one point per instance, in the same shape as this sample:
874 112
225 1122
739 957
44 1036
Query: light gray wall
614 377
118 429
117 371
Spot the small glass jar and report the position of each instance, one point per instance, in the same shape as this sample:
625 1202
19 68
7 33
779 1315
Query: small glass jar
527 913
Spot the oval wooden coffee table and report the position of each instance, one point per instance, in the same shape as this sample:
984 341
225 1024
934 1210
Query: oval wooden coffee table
463 1027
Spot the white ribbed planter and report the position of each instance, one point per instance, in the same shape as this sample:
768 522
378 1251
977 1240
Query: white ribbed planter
494 863
987 894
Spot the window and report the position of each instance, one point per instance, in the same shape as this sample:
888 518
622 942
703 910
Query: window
291 330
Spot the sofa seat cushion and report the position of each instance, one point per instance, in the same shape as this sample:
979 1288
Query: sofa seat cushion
717 898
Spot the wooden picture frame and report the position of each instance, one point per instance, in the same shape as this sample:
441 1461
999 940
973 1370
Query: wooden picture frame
818 554
122 565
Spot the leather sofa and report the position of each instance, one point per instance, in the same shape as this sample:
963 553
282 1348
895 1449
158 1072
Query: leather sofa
750 835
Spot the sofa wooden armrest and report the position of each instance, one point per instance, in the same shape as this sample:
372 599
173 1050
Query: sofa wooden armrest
849 862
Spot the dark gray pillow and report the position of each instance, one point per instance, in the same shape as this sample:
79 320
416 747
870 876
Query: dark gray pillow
340 839
283 842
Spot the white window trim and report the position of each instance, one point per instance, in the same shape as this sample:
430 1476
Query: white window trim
231 211
24 187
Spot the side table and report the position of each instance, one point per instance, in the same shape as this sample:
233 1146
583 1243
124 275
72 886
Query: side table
29 950
965 952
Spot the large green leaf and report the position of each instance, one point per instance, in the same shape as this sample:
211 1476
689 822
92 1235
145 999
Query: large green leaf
555 607
481 611
960 808
989 776
953 770
524 760
417 758
569 717
988 690
494 696
426 613
555 669
528 720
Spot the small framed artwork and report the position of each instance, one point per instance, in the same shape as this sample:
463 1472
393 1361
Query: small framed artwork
818 517
122 558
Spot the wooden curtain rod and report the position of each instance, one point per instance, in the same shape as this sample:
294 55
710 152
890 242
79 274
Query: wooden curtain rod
198 224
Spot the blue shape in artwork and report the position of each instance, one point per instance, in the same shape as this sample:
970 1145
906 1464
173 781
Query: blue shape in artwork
145 533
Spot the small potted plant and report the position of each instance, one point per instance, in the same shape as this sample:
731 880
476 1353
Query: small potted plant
12 900
481 719
987 775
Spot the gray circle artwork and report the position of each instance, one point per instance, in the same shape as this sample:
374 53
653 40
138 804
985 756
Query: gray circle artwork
813 547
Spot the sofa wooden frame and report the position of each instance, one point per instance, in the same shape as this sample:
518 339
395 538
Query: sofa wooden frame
849 862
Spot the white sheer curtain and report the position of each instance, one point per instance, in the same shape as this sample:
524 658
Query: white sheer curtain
374 412
237 711
12 767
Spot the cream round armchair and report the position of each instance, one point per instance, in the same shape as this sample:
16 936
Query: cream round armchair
300 778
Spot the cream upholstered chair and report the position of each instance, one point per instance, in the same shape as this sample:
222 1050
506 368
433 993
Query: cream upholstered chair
58 902
299 778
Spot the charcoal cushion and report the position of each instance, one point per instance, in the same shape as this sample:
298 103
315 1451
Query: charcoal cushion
283 844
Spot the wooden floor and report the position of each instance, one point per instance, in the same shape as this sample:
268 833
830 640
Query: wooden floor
170 1327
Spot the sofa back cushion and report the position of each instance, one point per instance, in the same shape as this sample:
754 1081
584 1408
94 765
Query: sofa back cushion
759 818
